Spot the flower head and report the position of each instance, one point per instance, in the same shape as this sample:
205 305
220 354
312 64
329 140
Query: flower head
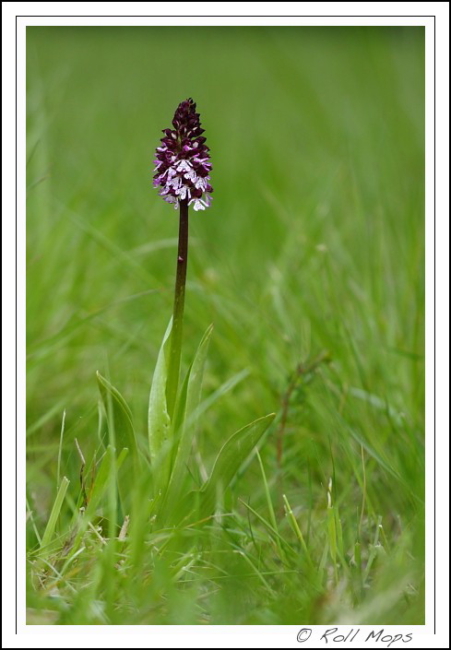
183 161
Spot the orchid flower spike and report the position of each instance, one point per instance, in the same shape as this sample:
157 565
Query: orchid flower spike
183 161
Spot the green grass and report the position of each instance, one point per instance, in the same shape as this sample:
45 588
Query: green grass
310 265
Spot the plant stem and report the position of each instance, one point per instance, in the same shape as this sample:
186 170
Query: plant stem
179 304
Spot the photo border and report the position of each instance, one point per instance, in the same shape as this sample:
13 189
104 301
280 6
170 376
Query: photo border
19 24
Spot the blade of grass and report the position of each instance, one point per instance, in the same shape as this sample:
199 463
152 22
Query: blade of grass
60 449
56 509
272 515
296 529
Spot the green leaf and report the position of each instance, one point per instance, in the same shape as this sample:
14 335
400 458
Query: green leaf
196 376
186 417
108 465
231 456
122 425
159 422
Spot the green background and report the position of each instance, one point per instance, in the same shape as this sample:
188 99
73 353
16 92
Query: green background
314 244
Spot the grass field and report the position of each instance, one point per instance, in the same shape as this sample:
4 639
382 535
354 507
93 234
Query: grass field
309 264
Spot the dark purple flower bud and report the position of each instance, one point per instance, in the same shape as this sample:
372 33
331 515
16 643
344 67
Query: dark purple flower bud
183 162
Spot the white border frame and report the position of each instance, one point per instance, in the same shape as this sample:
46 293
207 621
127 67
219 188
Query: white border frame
437 168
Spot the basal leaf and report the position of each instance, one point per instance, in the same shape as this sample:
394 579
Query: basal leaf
186 416
231 456
124 432
159 422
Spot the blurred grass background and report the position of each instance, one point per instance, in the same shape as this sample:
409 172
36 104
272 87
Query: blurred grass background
314 242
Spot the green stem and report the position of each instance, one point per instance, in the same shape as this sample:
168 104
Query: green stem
179 304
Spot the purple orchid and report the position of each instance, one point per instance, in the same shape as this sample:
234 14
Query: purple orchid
183 161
